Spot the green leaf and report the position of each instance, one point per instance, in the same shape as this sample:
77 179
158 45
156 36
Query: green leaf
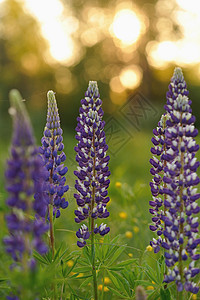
116 292
105 246
83 269
40 258
151 274
126 262
85 282
57 253
114 280
67 272
120 282
117 253
87 254
165 294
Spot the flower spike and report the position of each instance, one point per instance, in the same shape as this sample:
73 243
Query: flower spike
92 173
54 157
25 177
178 235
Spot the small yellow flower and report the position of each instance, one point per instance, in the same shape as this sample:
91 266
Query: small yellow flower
80 275
100 287
149 248
150 287
106 289
129 234
194 296
136 229
153 282
130 254
107 280
72 273
101 241
118 184
123 215
70 263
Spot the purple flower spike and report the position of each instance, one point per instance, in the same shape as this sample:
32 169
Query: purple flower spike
175 219
25 176
54 157
92 173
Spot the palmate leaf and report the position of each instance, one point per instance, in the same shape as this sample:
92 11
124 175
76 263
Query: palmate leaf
120 283
75 294
86 282
40 258
68 270
116 292
87 254
151 274
105 251
115 255
165 294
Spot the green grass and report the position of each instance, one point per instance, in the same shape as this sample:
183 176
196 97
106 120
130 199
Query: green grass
129 192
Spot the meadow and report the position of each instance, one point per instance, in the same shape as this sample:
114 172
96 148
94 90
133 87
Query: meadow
124 258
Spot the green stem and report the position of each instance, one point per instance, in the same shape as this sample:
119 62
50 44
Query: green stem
92 231
52 239
179 295
93 266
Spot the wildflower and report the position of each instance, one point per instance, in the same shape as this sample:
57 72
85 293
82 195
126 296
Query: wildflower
106 280
130 254
123 215
149 248
70 263
178 234
106 289
150 288
136 229
92 173
194 297
25 177
100 287
54 157
118 184
129 234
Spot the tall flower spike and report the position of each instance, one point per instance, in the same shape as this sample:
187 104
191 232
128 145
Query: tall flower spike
158 149
54 157
180 195
25 175
93 172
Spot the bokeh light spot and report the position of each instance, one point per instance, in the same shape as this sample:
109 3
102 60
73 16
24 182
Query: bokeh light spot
126 26
130 77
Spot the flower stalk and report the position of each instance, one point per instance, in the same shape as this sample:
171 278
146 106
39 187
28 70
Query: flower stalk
54 157
92 173
178 237
25 178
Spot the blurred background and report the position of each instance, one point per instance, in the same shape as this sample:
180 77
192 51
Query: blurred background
131 49
124 45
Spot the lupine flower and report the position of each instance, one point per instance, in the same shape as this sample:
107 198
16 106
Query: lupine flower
178 235
54 157
93 172
25 175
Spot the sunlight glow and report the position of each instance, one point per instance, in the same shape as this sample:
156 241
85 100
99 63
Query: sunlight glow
126 26
131 77
55 27
183 48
